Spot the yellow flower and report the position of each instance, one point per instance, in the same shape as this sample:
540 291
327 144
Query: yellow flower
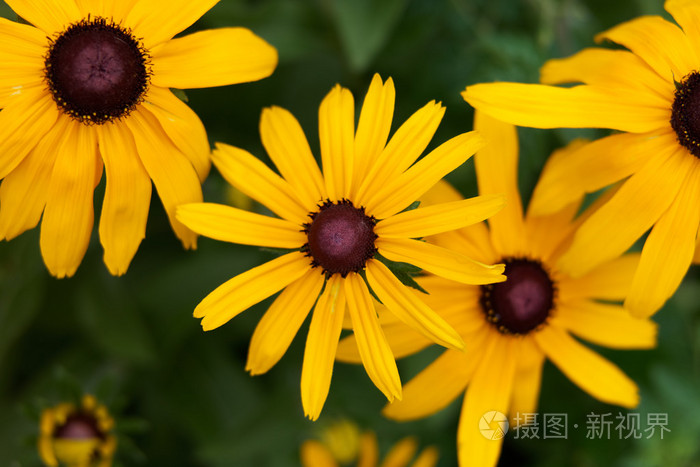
77 436
86 85
651 92
336 223
511 327
342 443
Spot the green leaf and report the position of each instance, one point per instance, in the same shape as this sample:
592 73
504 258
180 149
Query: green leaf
414 205
404 272
180 94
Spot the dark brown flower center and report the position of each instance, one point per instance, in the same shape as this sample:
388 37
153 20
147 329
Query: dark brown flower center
96 71
78 426
685 113
340 238
521 303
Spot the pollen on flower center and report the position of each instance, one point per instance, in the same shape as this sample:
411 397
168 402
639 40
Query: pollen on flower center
521 303
78 426
96 71
685 113
340 238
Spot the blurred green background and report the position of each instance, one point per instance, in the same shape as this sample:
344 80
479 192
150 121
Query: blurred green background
181 397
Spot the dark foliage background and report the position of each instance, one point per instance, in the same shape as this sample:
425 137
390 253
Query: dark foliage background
181 396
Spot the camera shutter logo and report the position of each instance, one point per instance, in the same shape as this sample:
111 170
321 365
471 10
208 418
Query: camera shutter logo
493 425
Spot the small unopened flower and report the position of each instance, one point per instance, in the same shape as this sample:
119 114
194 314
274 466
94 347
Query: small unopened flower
342 443
77 435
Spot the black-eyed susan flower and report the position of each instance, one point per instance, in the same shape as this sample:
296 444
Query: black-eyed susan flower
342 443
337 223
85 86
650 93
511 327
77 436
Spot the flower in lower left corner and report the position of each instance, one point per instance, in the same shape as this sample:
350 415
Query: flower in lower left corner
77 435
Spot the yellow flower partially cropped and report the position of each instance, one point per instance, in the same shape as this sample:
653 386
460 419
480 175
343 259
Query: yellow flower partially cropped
343 444
651 93
511 327
85 88
80 436
336 223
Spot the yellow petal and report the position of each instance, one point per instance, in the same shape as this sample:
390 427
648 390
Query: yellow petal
605 324
148 21
24 191
439 261
402 339
435 387
427 458
585 368
528 375
250 175
541 106
568 175
23 122
687 14
450 291
120 8
604 67
466 318
315 454
668 251
285 142
336 130
68 216
374 350
405 146
22 50
636 206
393 195
321 342
441 192
174 177
369 451
215 57
549 235
47 423
473 241
497 173
658 42
280 323
127 197
401 453
440 218
92 8
373 127
183 127
609 281
246 289
489 390
408 308
238 226
46 451
113 9
50 16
